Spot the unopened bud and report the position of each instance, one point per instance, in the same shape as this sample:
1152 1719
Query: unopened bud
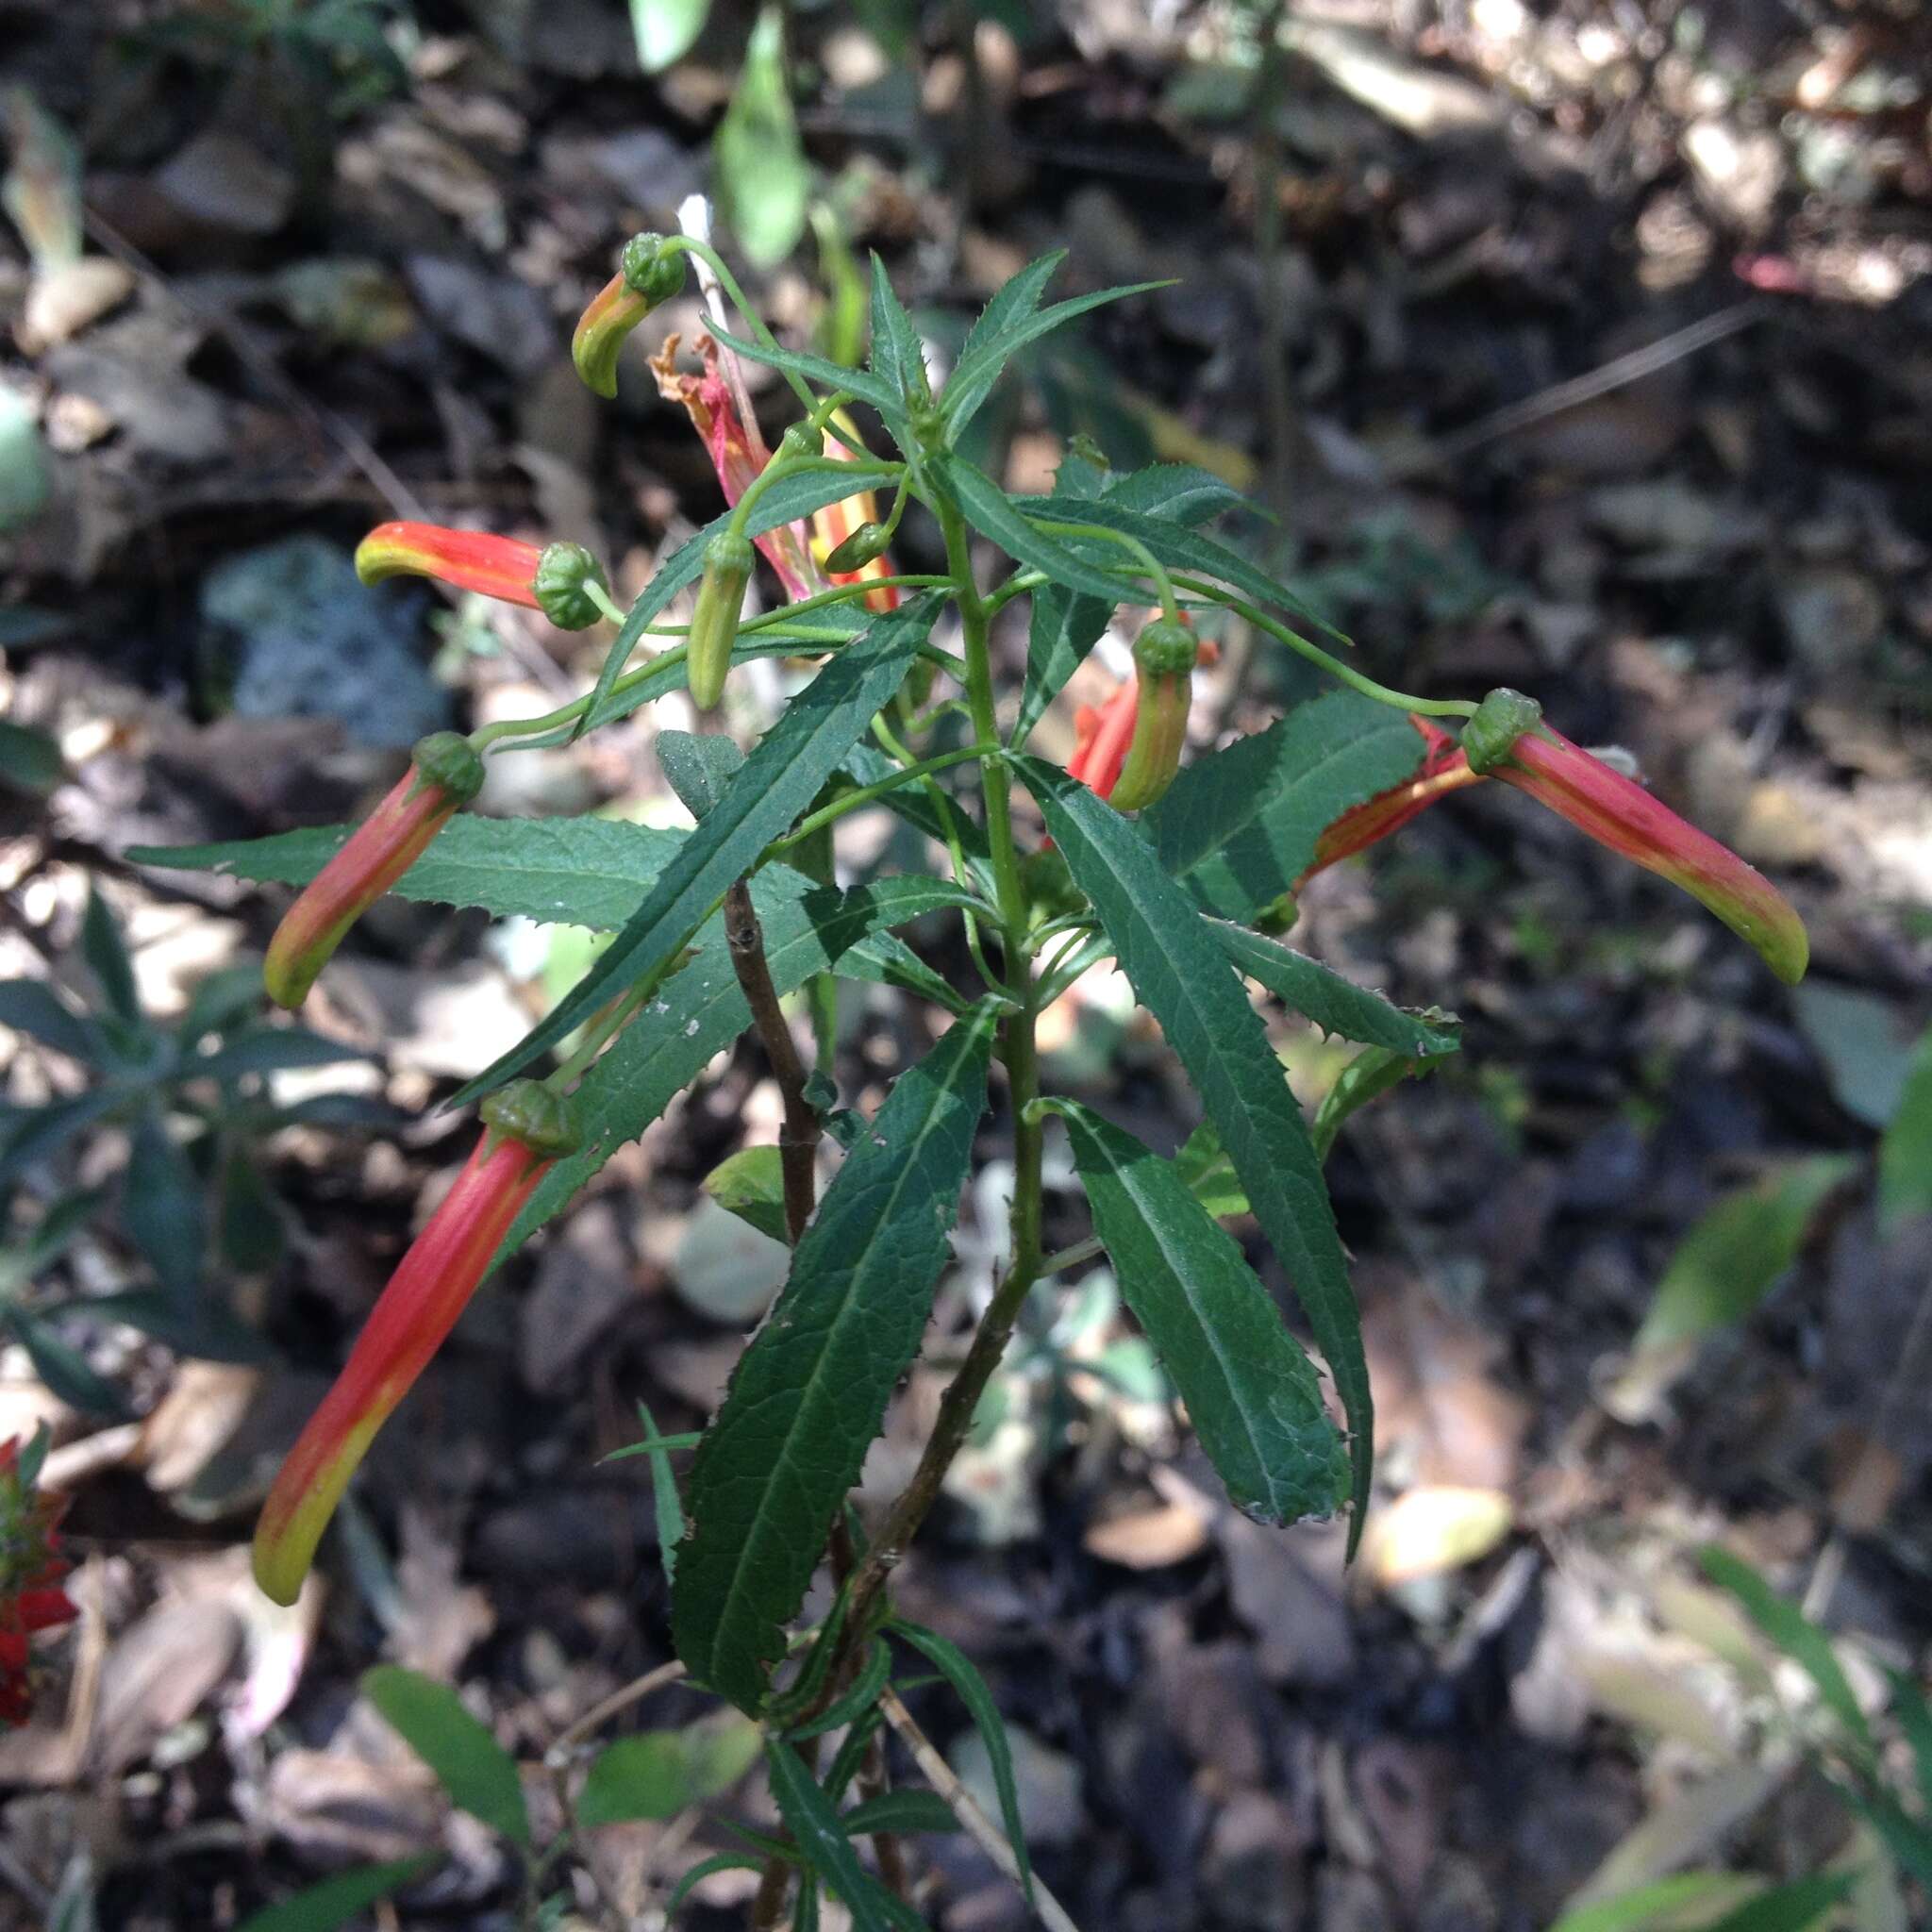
866 545
803 439
564 571
714 624
651 272
1164 657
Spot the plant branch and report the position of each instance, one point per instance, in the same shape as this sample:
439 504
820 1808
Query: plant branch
798 1139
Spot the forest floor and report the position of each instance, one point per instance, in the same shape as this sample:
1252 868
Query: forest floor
1411 254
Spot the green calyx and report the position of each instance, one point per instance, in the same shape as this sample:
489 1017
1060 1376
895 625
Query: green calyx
1500 720
1167 648
801 442
529 1114
562 573
451 763
651 268
863 546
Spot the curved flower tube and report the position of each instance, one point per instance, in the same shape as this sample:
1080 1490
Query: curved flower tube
649 274
1508 740
1165 654
444 774
552 580
529 1128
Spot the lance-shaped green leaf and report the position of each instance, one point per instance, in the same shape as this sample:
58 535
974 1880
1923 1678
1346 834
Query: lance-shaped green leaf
897 356
334 1902
775 783
32 1007
1251 1390
698 767
1177 547
829 375
1241 824
791 498
1370 1074
980 360
1065 626
989 510
700 1010
1180 974
1335 1004
827 1850
979 368
477 1773
1905 1150
759 166
811 1392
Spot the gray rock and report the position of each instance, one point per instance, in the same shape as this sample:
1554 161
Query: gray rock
300 636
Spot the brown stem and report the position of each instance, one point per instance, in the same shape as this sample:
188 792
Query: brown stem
798 1140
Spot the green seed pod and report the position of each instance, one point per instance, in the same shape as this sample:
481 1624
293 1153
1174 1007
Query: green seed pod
652 269
562 572
1501 719
451 763
801 440
530 1114
867 543
714 624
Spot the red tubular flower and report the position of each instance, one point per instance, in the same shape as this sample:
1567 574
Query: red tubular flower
529 1128
738 453
553 580
1618 812
1508 740
30 1572
471 559
444 774
1444 769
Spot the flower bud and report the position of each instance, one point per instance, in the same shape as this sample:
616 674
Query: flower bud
714 624
650 273
470 559
1164 656
562 572
445 773
801 442
866 545
529 1129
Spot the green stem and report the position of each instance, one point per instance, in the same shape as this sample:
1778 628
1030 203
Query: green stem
852 801
1345 673
1133 545
690 244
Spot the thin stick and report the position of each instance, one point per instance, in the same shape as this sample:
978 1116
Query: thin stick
1619 373
979 1828
600 1714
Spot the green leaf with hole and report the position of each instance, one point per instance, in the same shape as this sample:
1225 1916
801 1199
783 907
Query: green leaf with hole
759 170
811 1392
1251 1390
333 1902
1180 974
1209 1175
751 1185
1736 1253
828 1852
660 1773
773 786
666 30
1241 824
479 1775
698 766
